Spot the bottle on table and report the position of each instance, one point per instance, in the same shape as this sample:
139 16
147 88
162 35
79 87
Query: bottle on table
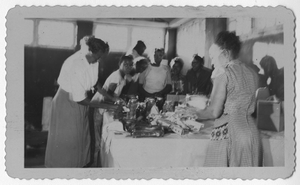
168 106
149 104
132 106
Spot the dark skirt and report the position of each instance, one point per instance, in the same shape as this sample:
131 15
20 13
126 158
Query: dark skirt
69 136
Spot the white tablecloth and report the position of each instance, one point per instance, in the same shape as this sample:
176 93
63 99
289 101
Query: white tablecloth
120 150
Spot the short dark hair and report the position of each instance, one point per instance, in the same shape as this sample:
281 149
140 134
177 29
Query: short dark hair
162 50
125 58
140 47
199 59
95 45
179 61
229 41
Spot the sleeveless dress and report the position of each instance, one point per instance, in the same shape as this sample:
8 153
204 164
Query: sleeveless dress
235 140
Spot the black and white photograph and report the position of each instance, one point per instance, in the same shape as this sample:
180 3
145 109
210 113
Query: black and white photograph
151 92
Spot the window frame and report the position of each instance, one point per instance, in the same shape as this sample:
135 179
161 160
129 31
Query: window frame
35 42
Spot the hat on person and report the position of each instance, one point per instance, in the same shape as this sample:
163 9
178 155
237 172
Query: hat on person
140 47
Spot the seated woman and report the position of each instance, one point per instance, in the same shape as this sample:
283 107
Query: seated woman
132 87
235 140
269 69
176 76
156 79
137 51
176 67
113 86
198 78
117 80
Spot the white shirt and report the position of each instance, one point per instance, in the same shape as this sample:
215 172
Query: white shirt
114 78
77 76
155 79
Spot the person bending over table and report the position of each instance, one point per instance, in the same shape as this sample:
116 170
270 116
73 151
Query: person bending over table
68 142
234 140
156 79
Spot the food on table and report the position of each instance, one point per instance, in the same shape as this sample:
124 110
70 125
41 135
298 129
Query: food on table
195 126
132 106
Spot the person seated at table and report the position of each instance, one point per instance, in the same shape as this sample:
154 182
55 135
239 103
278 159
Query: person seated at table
118 79
269 70
138 51
132 87
198 78
156 79
176 68
235 140
113 86
177 77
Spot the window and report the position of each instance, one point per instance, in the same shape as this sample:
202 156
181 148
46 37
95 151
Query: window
28 32
56 34
116 36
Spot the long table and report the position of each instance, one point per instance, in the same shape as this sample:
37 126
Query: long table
120 150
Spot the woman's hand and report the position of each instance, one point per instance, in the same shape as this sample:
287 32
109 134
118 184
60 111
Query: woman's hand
117 111
192 111
119 100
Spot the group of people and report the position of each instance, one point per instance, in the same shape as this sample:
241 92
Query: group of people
231 87
197 79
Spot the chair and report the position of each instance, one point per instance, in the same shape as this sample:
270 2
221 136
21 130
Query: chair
269 114
262 93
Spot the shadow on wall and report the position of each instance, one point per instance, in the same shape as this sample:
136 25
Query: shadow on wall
246 53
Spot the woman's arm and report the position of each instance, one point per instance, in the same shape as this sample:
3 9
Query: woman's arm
87 102
105 93
215 108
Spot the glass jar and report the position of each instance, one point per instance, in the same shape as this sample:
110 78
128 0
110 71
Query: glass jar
141 110
168 106
159 103
132 106
149 104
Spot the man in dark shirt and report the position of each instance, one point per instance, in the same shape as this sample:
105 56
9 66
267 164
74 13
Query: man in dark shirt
198 78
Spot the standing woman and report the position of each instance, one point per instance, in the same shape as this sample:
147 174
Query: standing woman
235 140
69 136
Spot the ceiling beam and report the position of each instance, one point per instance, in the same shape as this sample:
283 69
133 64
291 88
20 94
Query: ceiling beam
177 22
129 22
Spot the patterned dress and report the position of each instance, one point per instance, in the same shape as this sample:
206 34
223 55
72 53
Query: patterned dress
235 140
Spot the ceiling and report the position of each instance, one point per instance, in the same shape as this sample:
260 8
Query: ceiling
165 20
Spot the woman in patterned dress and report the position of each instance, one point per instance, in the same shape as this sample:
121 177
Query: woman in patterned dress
235 140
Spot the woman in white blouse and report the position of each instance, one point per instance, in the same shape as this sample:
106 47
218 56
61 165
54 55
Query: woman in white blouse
69 136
